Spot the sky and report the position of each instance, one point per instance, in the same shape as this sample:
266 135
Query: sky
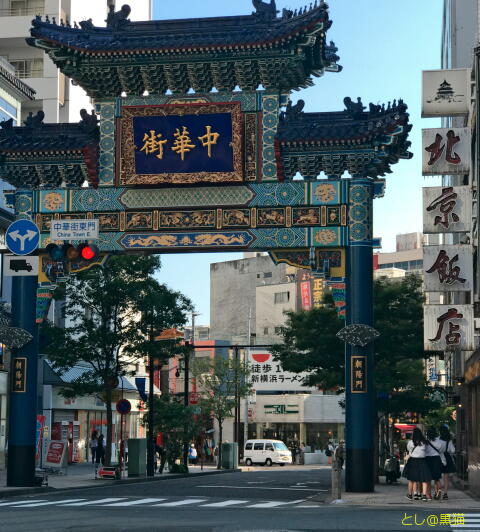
383 46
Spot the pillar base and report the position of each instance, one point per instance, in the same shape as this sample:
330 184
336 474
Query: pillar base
359 471
21 466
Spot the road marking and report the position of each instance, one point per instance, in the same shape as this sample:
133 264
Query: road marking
271 504
133 503
180 503
100 501
222 504
49 503
260 488
11 503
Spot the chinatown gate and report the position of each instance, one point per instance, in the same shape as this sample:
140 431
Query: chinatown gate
187 155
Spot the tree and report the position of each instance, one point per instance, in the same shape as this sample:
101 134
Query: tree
221 381
310 344
177 422
104 327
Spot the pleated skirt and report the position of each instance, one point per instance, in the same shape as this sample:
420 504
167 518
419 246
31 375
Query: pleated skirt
417 470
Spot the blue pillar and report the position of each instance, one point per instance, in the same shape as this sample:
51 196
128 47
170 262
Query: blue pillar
360 392
23 387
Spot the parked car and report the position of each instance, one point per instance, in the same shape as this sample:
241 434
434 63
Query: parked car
267 452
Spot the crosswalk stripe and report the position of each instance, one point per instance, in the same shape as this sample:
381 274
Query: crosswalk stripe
133 503
222 504
11 503
100 501
180 503
271 504
48 503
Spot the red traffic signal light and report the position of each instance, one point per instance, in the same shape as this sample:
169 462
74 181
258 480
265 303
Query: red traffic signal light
68 252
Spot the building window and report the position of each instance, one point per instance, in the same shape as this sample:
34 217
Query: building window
267 274
7 111
401 265
282 297
265 331
278 330
28 68
22 8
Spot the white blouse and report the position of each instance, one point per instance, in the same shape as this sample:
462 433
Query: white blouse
416 452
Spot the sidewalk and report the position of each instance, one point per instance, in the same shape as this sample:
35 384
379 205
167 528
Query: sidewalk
394 495
83 476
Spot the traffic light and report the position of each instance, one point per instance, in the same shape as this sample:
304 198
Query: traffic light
69 252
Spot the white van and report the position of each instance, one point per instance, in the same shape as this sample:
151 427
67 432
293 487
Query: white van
266 452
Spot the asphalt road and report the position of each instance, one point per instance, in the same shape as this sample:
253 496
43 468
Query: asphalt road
270 499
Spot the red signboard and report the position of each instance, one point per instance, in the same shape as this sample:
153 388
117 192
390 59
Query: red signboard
306 295
55 453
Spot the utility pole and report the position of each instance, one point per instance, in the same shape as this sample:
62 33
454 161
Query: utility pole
246 358
151 399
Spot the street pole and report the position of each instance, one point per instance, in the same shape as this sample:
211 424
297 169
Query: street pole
237 405
151 398
186 384
23 387
360 393
246 355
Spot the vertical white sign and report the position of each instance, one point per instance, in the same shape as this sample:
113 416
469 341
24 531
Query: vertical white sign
446 92
446 151
447 209
448 327
448 268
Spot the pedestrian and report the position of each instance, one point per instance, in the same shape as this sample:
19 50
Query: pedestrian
192 454
340 453
156 452
93 445
449 465
163 458
416 469
302 453
434 452
100 456
329 451
215 454
392 469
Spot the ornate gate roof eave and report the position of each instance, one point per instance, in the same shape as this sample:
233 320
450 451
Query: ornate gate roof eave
354 140
281 52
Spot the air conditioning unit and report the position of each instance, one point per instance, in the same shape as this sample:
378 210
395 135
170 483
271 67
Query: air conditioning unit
476 322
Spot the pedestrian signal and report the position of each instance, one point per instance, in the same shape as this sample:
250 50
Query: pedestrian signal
68 252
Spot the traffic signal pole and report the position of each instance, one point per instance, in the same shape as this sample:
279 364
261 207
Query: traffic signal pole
23 387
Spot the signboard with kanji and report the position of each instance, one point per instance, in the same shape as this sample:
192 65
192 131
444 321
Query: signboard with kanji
448 268
358 374
446 151
446 92
448 327
267 374
198 142
447 209
19 375
74 229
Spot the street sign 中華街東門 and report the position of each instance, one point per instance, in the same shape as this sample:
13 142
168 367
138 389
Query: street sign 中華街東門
22 237
74 230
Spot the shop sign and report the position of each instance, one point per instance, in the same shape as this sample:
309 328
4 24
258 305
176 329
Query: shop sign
447 209
448 268
56 452
446 92
281 409
448 327
268 374
432 374
446 151
358 369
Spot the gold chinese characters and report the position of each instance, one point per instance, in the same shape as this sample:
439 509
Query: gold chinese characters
154 143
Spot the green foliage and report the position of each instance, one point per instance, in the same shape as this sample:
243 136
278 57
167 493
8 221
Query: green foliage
441 416
221 380
310 344
177 422
106 325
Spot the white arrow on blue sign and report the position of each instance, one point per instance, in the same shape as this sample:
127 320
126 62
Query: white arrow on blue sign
22 237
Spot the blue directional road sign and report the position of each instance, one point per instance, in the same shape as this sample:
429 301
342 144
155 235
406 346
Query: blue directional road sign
22 237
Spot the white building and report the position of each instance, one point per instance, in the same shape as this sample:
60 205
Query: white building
56 96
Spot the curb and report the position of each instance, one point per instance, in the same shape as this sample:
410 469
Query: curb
48 489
